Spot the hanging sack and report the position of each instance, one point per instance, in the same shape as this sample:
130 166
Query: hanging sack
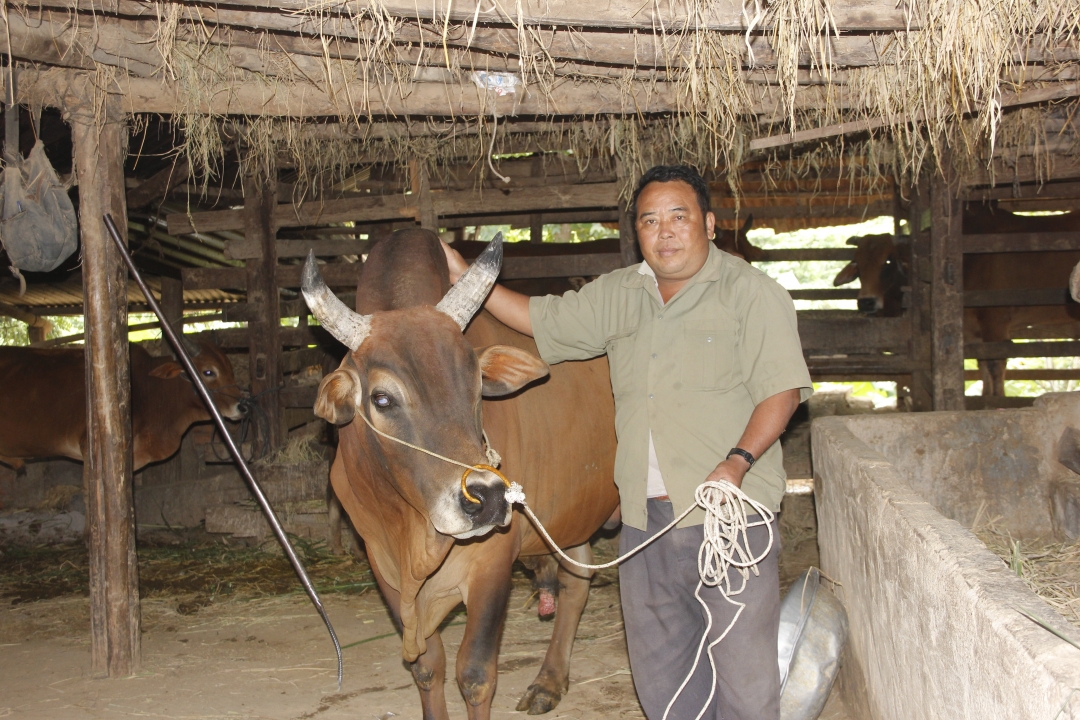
38 226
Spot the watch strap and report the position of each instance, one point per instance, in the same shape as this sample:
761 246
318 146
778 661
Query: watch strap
743 454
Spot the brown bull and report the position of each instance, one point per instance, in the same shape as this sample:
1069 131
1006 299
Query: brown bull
983 271
414 375
43 396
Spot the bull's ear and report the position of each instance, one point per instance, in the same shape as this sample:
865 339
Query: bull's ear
506 369
167 371
849 273
336 402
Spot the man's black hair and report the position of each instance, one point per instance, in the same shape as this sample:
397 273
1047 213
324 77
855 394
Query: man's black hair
670 173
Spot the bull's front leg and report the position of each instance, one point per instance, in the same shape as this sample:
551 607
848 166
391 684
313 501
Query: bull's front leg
478 657
554 677
428 670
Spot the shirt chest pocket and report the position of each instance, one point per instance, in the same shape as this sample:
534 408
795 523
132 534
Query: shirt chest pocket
710 355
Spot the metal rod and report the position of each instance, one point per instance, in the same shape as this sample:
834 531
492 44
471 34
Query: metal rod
196 380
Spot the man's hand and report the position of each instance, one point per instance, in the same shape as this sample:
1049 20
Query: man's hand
454 260
733 470
509 307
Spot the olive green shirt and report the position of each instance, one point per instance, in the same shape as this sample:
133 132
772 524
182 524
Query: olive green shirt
691 371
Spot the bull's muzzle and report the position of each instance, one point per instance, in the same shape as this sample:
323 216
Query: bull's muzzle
483 497
868 304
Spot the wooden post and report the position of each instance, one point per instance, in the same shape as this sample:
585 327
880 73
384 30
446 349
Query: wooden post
919 275
421 186
172 302
627 237
536 220
100 148
947 290
264 349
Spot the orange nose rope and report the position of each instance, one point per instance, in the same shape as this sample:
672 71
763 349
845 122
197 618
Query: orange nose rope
492 456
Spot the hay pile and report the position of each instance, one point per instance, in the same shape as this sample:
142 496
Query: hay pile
1050 568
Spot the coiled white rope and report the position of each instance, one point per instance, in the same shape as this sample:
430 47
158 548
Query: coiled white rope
726 545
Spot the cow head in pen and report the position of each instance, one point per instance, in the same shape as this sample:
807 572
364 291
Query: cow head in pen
880 270
413 376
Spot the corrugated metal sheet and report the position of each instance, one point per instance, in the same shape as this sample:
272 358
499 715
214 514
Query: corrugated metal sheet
41 296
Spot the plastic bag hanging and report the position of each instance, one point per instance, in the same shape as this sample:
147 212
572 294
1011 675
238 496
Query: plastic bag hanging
38 225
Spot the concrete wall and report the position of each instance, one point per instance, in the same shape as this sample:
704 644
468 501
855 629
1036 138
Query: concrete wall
935 631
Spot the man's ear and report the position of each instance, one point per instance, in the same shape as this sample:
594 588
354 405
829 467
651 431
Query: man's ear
338 395
849 273
167 371
506 369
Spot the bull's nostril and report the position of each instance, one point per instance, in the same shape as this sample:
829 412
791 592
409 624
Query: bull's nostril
473 508
867 304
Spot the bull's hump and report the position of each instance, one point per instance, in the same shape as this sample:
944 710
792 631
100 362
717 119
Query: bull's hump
406 270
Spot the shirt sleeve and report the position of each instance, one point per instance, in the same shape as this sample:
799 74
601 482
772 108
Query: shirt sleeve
770 352
571 326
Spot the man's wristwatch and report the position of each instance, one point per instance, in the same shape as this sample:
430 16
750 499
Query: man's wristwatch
743 454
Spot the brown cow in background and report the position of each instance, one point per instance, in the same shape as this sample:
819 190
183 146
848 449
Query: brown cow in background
43 396
983 271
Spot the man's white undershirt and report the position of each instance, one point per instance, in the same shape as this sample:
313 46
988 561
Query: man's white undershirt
655 485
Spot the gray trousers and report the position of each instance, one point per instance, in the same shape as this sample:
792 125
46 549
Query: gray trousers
665 622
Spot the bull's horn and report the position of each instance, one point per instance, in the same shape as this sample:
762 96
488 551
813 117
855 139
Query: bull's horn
348 327
463 300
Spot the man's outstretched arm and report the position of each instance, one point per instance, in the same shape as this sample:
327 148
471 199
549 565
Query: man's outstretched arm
509 307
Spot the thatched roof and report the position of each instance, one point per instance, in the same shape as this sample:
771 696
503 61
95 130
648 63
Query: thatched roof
707 81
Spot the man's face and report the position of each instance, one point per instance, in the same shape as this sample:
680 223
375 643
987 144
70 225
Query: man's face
673 235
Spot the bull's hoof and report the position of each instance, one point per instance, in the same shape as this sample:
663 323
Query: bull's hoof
538 700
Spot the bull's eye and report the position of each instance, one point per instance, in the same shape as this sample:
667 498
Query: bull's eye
208 373
381 400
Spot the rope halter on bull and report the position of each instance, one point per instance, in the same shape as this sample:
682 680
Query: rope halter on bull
726 543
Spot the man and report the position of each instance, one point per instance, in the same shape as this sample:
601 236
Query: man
706 369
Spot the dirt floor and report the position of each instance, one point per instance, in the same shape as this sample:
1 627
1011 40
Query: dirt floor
220 640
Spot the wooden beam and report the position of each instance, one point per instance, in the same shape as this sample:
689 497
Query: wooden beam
845 254
156 187
1022 242
564 97
824 294
400 207
1016 298
1009 349
722 15
947 292
1033 374
810 210
1066 190
1055 91
335 274
263 298
847 332
1025 169
100 149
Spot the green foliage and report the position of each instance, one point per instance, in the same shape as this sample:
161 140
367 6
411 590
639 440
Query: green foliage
13 332
558 233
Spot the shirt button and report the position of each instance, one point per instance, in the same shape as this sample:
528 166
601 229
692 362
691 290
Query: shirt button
660 317
654 356
708 339
650 396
